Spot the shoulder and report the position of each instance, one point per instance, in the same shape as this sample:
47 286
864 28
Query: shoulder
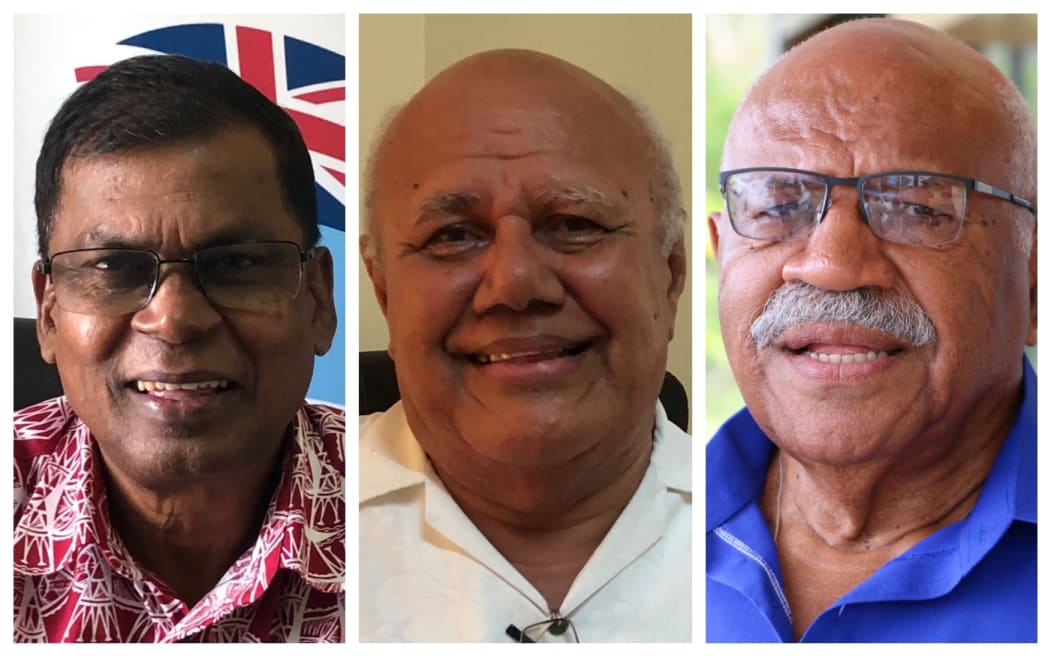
324 415
321 427
672 453
390 456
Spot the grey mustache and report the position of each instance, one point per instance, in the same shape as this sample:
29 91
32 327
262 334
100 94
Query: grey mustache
893 312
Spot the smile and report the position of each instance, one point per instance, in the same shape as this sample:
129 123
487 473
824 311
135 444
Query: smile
847 358
148 386
527 356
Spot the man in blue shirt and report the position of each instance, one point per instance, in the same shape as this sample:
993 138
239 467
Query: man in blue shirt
877 282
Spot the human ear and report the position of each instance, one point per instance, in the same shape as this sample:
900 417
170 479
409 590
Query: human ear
375 271
45 305
320 284
712 230
677 267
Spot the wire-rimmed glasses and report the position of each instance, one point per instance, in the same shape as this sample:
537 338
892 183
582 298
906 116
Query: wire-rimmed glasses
908 207
251 275
555 629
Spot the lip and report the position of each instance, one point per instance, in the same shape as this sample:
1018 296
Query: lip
527 361
206 392
840 353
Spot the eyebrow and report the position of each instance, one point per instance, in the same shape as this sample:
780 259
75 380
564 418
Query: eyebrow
447 202
456 203
573 195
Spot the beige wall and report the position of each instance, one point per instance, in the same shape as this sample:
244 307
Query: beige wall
647 55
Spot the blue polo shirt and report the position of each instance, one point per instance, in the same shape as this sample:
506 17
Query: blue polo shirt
971 581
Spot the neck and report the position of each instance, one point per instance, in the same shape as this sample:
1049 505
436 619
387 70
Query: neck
549 537
190 536
891 503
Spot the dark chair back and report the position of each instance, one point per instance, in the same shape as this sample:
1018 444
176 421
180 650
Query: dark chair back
35 380
378 388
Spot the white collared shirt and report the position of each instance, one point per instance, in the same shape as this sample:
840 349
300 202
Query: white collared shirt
429 575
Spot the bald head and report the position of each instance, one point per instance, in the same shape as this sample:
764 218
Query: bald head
881 83
495 93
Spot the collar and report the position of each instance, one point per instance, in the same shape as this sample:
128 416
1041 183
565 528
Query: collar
397 461
304 530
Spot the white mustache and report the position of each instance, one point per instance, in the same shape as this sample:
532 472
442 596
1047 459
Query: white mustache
892 312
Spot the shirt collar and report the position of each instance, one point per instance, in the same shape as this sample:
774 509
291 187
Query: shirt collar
672 454
1014 470
395 459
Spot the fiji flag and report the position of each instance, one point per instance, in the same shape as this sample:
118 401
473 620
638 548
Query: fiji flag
309 82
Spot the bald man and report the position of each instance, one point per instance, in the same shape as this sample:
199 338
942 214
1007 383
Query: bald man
877 284
525 244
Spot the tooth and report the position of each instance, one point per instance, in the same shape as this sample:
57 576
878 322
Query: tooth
150 386
847 358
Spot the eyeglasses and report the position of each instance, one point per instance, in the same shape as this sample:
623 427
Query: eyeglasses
556 629
253 275
908 207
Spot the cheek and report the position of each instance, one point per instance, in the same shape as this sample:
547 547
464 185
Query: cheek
86 339
280 334
985 312
745 283
425 302
627 295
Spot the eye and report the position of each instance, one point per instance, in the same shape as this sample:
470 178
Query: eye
116 262
454 240
570 232
782 212
237 260
925 214
578 224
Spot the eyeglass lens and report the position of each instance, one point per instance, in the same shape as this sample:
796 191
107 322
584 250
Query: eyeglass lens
255 276
907 208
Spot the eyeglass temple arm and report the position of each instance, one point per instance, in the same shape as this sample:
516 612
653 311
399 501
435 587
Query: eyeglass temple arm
1005 195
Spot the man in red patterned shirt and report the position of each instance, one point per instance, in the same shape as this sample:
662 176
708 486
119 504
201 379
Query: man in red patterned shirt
181 490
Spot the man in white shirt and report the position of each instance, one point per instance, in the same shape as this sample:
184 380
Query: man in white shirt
525 244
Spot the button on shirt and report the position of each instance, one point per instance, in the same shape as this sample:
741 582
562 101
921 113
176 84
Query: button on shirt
428 574
76 582
971 581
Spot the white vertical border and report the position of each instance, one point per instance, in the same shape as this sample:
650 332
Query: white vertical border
353 332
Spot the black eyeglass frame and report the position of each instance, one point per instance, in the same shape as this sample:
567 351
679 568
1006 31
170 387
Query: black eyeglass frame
832 181
44 265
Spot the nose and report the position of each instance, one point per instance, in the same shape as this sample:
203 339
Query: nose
178 311
516 271
842 253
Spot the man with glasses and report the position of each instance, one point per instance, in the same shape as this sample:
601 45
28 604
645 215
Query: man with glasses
877 283
529 486
181 490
